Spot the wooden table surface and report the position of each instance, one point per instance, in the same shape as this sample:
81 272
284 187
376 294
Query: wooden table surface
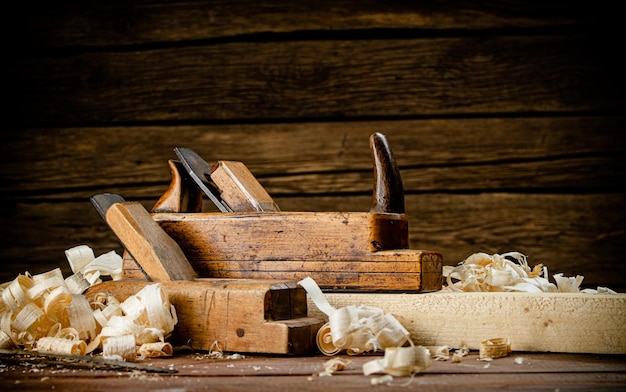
188 370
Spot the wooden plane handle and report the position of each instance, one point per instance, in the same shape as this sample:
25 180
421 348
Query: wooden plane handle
183 195
154 250
388 194
240 189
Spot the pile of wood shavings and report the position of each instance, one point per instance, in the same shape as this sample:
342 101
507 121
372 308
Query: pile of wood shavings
48 314
363 329
354 329
509 272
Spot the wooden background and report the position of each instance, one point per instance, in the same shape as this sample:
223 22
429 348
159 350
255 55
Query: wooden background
506 118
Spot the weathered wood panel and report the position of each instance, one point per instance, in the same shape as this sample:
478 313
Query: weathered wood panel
552 153
118 23
194 371
320 79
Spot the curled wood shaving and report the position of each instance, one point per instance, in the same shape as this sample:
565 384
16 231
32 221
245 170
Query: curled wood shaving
81 259
59 345
325 341
354 329
458 355
215 352
361 329
400 361
119 347
50 314
156 349
494 348
439 353
510 271
333 365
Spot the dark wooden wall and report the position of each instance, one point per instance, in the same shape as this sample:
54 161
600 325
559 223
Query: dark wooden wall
506 118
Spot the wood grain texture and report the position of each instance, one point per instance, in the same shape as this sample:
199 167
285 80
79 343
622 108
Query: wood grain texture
285 235
342 250
121 23
320 79
414 271
240 189
233 315
548 322
549 371
159 256
492 154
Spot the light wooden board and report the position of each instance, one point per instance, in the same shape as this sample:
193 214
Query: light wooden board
550 322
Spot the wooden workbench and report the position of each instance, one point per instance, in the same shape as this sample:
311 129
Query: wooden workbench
189 370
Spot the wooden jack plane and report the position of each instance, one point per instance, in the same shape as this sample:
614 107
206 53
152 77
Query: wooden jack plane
251 238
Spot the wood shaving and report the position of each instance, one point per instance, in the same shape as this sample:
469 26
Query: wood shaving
354 329
494 348
439 353
324 341
510 271
333 365
50 314
361 329
400 361
456 358
458 355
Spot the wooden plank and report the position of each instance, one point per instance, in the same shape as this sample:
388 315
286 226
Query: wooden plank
538 371
585 174
528 176
554 322
321 158
200 364
120 23
434 77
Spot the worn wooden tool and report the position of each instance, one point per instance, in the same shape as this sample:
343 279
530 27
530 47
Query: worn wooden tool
183 193
239 189
342 251
157 253
236 315
268 316
229 184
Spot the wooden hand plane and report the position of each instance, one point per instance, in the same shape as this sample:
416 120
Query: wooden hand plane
341 251
261 316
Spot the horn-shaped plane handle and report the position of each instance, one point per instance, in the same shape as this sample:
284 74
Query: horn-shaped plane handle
388 194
